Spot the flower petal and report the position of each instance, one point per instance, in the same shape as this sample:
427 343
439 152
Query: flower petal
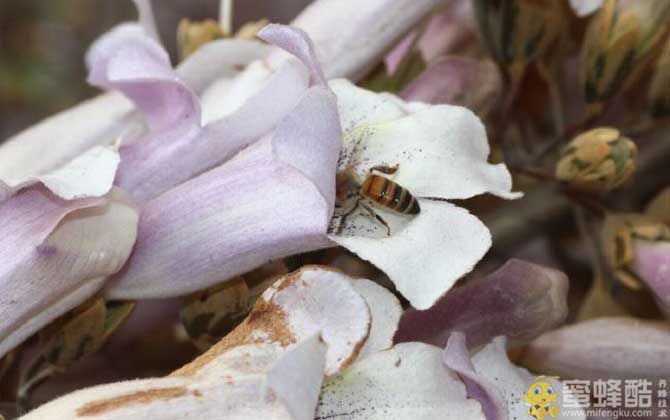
221 224
441 151
519 300
125 59
311 301
372 26
146 18
297 376
457 358
89 175
425 259
62 137
57 254
225 222
258 92
603 348
220 59
220 392
385 311
102 120
454 80
406 382
298 43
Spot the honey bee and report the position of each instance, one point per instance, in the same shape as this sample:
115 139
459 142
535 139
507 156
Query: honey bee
379 190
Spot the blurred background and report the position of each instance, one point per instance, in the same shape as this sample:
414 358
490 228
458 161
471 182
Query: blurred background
42 46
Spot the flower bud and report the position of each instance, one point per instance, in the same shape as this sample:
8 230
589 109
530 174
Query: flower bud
622 235
599 160
193 35
659 92
518 32
620 43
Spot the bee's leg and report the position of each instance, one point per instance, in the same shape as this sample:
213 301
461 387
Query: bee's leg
378 217
385 169
343 218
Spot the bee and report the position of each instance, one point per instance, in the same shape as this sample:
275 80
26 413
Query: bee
379 190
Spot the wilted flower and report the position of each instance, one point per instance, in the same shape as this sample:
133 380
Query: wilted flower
519 32
620 43
519 300
599 160
310 324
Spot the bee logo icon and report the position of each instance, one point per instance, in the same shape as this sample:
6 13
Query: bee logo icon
541 398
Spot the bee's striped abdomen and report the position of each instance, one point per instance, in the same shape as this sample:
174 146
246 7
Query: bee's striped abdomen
389 194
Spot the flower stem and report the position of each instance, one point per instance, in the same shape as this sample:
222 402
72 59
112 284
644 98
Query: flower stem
226 16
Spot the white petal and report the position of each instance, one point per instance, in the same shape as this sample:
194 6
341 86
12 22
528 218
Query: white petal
43 277
585 7
425 259
90 174
62 137
385 310
297 376
323 301
220 59
441 150
406 382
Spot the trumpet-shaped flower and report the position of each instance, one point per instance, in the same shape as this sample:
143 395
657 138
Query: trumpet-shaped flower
202 223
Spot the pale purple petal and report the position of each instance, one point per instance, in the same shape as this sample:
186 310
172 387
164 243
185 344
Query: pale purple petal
651 262
449 31
146 18
399 52
472 83
125 59
457 358
298 43
225 222
519 300
261 205
56 254
178 148
352 36
603 348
